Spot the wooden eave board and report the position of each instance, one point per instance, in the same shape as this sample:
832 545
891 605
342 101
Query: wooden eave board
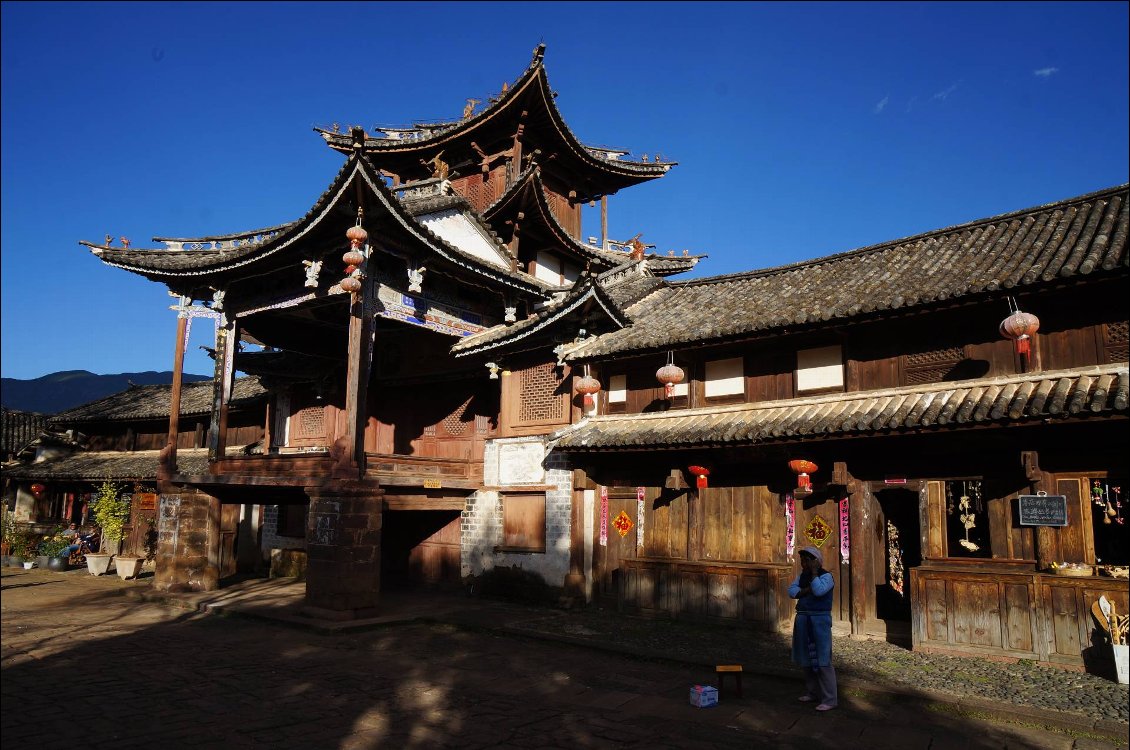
1088 392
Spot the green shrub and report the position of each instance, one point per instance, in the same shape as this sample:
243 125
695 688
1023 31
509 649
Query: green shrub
111 511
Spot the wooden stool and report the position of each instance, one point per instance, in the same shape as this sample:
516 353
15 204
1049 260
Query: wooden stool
724 669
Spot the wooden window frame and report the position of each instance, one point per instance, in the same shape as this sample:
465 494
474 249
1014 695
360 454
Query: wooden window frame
728 398
841 388
531 528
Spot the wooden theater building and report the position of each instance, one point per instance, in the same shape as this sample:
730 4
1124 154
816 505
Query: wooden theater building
460 386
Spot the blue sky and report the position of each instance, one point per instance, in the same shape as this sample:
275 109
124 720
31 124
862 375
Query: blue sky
801 129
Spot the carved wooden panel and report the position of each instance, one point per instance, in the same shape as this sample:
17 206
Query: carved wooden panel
931 366
308 426
1115 341
538 399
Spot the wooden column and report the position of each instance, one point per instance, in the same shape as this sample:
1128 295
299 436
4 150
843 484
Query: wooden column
575 579
350 447
1047 551
167 462
226 340
858 544
604 222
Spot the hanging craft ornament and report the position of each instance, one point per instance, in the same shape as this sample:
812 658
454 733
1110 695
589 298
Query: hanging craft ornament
38 489
700 473
587 385
968 520
802 468
670 375
894 558
1019 326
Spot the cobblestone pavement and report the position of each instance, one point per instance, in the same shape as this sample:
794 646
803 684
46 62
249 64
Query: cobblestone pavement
128 673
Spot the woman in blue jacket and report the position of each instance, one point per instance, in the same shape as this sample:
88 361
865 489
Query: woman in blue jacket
812 629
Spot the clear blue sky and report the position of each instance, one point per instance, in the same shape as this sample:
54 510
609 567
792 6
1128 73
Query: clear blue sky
801 129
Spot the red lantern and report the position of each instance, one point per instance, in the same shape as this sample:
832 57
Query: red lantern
802 468
38 489
351 284
700 473
357 236
353 258
669 375
587 386
1020 326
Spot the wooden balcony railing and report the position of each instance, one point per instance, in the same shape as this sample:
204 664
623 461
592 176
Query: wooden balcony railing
424 471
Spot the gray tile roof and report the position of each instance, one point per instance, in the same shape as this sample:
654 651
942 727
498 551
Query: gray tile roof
1074 238
153 401
1089 391
94 466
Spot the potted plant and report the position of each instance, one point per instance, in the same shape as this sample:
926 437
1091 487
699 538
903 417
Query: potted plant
51 549
111 511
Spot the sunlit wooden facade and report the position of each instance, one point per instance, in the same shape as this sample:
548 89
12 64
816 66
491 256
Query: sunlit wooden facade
432 418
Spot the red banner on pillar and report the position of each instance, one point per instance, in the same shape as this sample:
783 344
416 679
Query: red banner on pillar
845 524
603 516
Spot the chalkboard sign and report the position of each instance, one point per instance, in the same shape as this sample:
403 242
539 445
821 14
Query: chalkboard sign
1043 510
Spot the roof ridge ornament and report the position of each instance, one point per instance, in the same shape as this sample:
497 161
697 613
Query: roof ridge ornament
539 53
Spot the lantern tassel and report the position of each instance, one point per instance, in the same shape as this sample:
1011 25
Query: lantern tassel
1024 345
669 390
701 481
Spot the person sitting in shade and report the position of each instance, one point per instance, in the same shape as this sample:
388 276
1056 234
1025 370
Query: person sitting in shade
71 533
812 629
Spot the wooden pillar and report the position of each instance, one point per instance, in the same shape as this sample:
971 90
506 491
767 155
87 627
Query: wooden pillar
1047 551
575 579
604 222
350 447
167 461
343 547
858 544
226 340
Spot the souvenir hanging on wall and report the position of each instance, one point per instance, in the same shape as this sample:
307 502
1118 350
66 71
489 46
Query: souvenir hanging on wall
968 519
894 558
790 526
817 531
845 542
1101 495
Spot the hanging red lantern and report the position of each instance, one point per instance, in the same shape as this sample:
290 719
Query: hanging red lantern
357 236
802 468
353 258
351 284
38 489
700 473
669 375
587 385
1019 327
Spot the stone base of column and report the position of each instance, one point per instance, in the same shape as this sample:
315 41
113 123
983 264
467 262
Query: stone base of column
188 542
343 547
575 586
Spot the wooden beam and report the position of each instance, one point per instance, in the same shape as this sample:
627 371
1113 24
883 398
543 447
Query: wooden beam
167 463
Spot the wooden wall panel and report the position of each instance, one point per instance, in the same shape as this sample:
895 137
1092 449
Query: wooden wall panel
936 610
935 547
1020 617
976 613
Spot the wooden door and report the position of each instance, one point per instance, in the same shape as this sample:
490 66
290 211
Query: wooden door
229 529
617 546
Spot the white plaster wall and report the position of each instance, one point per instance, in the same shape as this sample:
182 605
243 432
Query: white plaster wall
481 524
458 230
271 539
25 504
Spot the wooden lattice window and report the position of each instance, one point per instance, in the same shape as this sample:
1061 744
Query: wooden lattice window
454 425
538 399
308 426
1115 341
931 366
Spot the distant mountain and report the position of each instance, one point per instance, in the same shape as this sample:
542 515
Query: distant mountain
60 391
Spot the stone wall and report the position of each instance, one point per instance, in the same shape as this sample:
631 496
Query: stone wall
517 463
